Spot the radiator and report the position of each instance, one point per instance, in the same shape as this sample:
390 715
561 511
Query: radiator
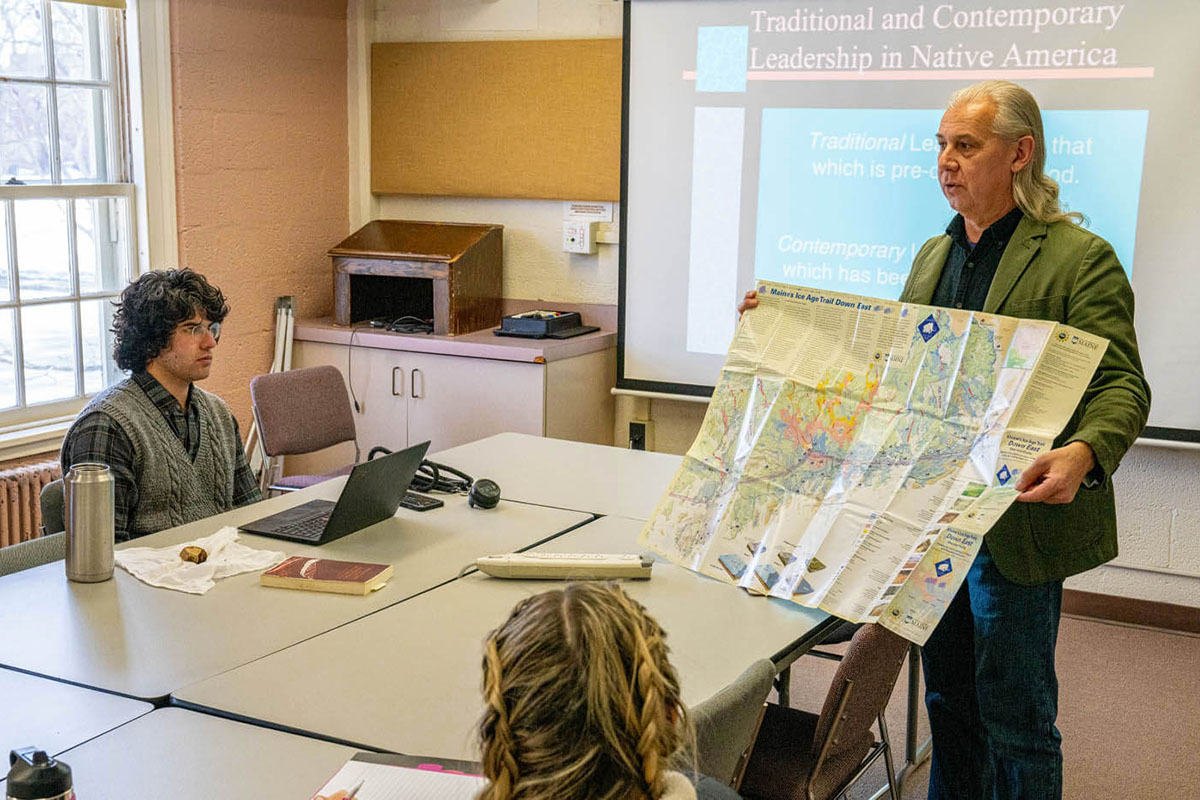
20 500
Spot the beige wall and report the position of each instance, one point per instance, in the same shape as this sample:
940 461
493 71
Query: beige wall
535 266
261 164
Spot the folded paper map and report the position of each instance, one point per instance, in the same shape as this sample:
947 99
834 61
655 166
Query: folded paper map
856 450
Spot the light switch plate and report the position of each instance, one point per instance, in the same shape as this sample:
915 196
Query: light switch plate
579 236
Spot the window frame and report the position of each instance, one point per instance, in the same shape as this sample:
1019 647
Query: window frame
140 151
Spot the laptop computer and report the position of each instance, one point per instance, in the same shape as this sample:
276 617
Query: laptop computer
372 494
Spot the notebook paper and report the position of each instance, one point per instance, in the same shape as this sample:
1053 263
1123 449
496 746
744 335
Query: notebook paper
386 782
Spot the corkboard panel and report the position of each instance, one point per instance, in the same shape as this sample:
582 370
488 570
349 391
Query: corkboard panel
534 119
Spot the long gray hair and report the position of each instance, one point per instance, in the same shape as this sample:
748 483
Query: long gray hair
1017 115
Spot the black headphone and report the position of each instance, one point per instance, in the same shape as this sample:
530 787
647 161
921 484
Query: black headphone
483 493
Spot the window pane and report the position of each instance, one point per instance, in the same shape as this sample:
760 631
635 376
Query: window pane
48 339
8 373
24 133
100 245
42 253
22 50
78 34
5 283
81 133
99 369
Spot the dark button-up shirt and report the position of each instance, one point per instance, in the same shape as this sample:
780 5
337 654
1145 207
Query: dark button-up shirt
969 269
968 273
98 437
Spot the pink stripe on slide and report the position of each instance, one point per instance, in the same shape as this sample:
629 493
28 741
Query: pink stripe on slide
1099 73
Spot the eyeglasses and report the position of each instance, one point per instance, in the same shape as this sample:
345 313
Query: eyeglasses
197 330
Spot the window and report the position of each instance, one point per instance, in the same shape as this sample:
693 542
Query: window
66 203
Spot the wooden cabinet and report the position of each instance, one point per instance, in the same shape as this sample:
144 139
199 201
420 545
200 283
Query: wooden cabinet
405 397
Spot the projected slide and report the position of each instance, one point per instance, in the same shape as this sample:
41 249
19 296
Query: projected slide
823 172
846 196
796 142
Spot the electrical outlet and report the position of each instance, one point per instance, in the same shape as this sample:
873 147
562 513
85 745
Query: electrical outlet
641 435
637 436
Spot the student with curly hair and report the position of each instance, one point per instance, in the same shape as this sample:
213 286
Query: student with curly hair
173 448
582 703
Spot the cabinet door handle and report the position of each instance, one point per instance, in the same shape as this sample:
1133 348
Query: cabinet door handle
413 382
399 393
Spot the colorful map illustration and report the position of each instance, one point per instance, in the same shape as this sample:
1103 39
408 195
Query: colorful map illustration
846 437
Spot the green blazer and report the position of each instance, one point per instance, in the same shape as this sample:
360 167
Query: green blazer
1064 273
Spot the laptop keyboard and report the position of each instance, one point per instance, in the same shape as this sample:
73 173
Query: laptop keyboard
309 529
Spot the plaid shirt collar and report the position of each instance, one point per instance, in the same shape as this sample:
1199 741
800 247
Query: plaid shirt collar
158 394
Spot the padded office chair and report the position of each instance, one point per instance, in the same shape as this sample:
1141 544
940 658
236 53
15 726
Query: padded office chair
804 756
301 411
915 752
33 553
727 723
51 501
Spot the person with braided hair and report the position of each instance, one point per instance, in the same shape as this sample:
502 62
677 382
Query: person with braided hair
583 704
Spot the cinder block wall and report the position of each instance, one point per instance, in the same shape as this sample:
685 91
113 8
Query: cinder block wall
261 164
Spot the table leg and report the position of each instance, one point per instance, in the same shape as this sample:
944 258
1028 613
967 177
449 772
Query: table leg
784 684
914 703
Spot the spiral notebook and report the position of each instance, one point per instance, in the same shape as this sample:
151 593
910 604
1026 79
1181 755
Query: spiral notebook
376 776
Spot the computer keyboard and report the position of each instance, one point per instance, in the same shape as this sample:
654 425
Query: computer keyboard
309 529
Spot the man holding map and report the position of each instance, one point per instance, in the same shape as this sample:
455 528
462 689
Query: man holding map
991 688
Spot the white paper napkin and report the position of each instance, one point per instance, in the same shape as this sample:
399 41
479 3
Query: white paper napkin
162 566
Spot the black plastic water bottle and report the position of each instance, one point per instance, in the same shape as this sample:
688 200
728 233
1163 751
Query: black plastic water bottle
37 776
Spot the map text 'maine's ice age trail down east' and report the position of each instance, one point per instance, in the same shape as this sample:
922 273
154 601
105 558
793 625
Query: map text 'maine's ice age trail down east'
856 450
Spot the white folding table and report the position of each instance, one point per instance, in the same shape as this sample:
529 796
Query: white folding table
127 637
54 716
182 755
407 679
576 475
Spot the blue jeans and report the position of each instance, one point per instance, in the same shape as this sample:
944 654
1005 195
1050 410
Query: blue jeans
991 691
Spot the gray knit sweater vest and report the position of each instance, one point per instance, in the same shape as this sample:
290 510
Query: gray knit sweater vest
172 489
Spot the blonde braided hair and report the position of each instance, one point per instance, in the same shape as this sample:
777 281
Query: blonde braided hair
501 767
582 702
650 651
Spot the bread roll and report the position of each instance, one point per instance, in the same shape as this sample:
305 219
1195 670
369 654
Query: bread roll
196 555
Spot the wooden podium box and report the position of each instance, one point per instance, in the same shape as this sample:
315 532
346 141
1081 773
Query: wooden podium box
448 271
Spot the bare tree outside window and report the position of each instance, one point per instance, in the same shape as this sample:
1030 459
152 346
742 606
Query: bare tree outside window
66 199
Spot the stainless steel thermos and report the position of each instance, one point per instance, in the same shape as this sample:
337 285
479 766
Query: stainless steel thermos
88 504
37 776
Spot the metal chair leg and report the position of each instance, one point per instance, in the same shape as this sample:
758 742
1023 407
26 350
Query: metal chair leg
893 789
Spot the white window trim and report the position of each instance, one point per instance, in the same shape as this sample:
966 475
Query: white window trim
152 105
32 438
153 144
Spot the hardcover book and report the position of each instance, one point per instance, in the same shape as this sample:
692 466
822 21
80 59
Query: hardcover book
327 575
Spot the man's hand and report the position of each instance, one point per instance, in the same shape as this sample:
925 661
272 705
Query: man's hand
1055 475
748 302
